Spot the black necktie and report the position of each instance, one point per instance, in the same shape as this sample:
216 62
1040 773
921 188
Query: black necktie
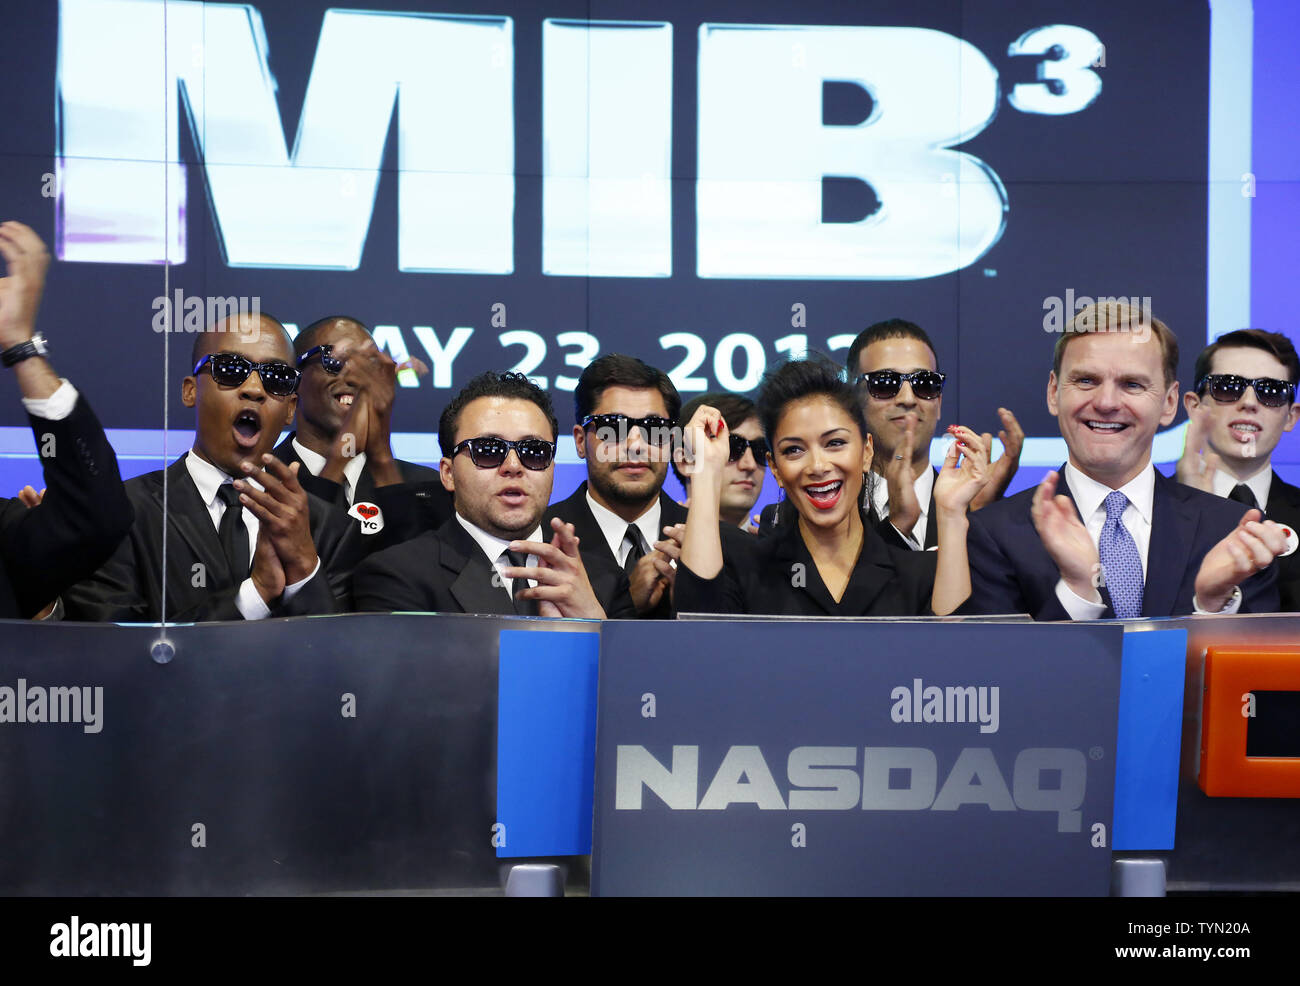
1242 494
232 532
524 607
638 549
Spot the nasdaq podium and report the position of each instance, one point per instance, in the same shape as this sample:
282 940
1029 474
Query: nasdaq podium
422 753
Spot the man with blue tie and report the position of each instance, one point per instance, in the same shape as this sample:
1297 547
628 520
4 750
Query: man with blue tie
1108 536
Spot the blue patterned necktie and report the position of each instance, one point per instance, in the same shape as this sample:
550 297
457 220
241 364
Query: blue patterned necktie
1120 560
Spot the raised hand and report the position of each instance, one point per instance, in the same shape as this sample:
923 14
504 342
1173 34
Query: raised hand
29 496
1004 469
904 510
1251 547
26 261
1197 465
267 572
282 512
957 485
563 588
1066 539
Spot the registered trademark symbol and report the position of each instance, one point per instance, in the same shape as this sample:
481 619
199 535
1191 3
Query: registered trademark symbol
1096 753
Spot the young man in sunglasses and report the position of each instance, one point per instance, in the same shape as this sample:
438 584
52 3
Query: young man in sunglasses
84 513
894 367
747 462
243 539
344 436
1108 536
1242 401
498 440
625 411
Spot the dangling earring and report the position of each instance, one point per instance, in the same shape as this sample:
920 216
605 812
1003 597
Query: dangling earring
780 502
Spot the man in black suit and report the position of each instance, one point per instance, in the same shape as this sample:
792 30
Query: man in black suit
498 442
894 367
344 436
744 471
1241 402
1109 536
625 411
84 513
237 548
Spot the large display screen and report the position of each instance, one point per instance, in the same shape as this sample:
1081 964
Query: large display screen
709 186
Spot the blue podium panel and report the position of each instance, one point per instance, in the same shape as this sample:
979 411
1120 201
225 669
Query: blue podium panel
793 757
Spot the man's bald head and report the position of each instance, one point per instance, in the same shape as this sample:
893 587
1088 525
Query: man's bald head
228 333
325 330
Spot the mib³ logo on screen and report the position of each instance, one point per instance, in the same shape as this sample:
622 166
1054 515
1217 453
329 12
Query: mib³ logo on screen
766 152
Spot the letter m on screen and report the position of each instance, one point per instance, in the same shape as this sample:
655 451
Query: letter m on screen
130 70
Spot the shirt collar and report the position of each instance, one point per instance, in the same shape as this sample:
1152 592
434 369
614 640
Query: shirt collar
1259 484
491 544
208 478
1089 494
614 527
315 463
880 492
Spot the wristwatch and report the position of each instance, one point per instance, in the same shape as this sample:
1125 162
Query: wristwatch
35 346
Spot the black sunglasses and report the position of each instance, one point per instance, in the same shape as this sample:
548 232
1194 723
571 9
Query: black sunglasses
738 446
328 363
654 430
884 385
490 453
230 370
1227 388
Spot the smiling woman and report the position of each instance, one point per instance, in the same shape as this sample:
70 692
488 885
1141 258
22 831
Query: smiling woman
829 563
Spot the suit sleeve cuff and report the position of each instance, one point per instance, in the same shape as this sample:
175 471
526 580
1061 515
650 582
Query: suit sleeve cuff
292 590
57 406
908 539
1231 606
1077 607
249 602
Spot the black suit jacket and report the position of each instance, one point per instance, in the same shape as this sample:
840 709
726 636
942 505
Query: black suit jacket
84 516
767 521
1011 571
418 503
128 588
775 574
577 512
1284 507
445 571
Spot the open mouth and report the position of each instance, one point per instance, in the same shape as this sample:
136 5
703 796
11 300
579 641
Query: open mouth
825 495
344 400
1106 427
1245 432
513 496
247 428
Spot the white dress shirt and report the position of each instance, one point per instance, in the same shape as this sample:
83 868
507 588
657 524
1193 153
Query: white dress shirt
315 463
57 406
614 528
208 479
923 485
1260 483
1090 500
494 547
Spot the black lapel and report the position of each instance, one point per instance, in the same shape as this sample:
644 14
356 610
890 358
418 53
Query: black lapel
584 524
472 574
932 522
188 516
286 453
1173 528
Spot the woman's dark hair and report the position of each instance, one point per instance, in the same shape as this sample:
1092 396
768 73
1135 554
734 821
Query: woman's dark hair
794 380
